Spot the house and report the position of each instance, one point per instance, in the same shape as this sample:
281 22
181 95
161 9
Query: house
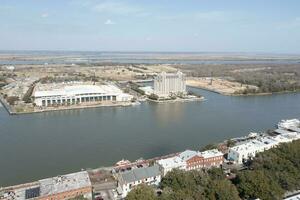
130 179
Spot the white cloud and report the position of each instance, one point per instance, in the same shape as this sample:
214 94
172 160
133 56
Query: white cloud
44 15
148 38
116 8
109 22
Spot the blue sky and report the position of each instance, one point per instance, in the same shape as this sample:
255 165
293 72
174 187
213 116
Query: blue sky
153 25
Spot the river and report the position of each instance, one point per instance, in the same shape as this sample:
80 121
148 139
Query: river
35 146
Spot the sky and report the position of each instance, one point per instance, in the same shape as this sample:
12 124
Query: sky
268 26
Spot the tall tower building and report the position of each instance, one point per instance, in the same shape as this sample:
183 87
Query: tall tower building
166 84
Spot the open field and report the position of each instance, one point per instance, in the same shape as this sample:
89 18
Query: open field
219 85
244 79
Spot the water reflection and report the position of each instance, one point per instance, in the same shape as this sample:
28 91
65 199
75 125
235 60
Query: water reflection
166 113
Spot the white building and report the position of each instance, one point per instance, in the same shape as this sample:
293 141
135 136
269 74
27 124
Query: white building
68 94
168 164
249 149
130 179
192 160
166 84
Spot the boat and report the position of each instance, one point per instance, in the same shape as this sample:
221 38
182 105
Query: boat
122 163
285 124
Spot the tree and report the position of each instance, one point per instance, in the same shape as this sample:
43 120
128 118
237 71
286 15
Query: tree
230 143
255 184
198 185
222 190
12 99
141 192
153 96
209 147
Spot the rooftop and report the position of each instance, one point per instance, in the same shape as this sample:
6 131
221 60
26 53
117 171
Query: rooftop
211 153
64 183
71 89
187 154
139 174
256 144
171 162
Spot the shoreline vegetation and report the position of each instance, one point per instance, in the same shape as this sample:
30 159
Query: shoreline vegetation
248 94
244 79
271 175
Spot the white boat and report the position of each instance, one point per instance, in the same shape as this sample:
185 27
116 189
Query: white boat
123 163
285 124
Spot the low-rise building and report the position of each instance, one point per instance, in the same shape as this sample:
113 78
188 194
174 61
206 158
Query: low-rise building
66 186
205 159
192 160
168 164
77 93
247 150
60 187
130 179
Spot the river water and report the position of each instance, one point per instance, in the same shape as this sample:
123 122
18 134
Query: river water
35 146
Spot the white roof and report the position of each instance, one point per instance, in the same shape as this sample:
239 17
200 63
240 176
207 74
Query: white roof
71 90
172 162
64 183
255 144
187 154
211 153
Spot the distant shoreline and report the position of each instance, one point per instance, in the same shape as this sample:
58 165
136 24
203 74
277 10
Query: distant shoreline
237 95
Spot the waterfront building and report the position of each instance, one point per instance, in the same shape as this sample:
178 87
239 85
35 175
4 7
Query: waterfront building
77 93
205 159
247 150
66 186
192 160
60 187
130 179
166 84
168 164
